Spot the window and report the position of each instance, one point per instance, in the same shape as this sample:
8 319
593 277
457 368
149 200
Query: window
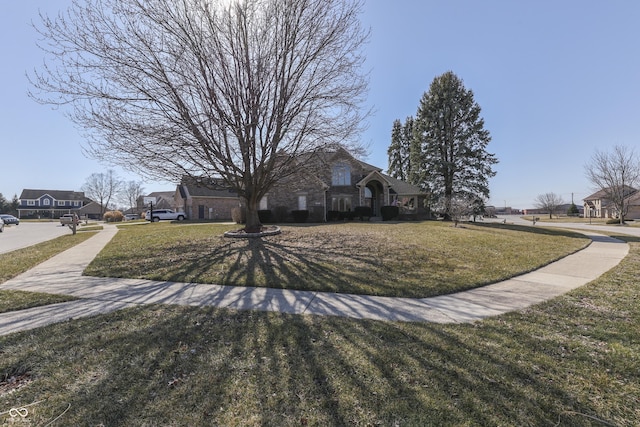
302 203
61 202
341 174
46 202
263 204
31 202
341 203
407 204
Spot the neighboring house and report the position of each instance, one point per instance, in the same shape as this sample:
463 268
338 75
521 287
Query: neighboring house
200 202
331 181
163 200
54 203
597 205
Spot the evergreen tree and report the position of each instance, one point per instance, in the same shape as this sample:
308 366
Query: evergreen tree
452 140
3 204
399 151
396 161
15 203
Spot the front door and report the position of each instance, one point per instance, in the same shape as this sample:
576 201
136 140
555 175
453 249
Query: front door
373 196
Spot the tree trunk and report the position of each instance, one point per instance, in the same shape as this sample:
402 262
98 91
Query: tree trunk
253 224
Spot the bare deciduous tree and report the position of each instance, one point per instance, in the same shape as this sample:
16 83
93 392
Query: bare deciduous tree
102 187
230 91
465 206
549 202
615 173
131 192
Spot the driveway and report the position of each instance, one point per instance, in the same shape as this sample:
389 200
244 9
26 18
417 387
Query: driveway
29 233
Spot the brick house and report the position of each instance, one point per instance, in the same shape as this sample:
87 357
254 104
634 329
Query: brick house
163 200
336 181
199 202
331 181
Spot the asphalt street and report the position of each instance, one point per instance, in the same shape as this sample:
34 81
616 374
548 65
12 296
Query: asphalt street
29 233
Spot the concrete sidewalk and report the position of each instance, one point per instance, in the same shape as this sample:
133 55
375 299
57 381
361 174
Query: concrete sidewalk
62 274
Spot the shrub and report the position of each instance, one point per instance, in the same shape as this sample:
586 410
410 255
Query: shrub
333 215
349 215
113 216
389 212
300 216
363 212
264 215
239 215
280 214
613 221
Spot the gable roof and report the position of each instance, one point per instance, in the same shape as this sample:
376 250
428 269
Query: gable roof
199 188
401 187
31 194
603 194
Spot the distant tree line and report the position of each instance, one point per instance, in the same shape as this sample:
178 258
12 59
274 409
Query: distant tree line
9 207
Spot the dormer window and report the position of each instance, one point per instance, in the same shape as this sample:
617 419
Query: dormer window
341 174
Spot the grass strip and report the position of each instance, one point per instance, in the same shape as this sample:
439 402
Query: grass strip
18 261
571 361
385 259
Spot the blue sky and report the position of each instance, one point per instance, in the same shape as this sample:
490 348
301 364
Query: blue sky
556 80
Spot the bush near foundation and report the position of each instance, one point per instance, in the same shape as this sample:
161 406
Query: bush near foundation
239 215
264 216
363 212
113 216
389 212
300 216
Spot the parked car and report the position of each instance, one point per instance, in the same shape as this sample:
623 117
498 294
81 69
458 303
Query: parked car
10 219
129 217
1 225
164 214
69 219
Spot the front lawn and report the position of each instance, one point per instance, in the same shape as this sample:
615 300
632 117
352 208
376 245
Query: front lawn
388 259
572 361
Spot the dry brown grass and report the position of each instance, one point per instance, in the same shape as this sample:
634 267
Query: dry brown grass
390 259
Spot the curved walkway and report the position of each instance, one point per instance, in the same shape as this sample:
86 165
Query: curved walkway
62 274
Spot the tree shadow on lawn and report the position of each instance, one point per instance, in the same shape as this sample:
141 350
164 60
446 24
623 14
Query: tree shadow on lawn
283 265
531 229
349 265
198 366
626 238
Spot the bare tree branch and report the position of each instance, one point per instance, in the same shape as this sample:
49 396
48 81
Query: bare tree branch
102 187
214 89
549 202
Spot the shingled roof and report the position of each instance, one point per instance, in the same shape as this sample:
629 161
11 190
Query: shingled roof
31 194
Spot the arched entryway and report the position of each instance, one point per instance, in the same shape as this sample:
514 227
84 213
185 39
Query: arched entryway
374 196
